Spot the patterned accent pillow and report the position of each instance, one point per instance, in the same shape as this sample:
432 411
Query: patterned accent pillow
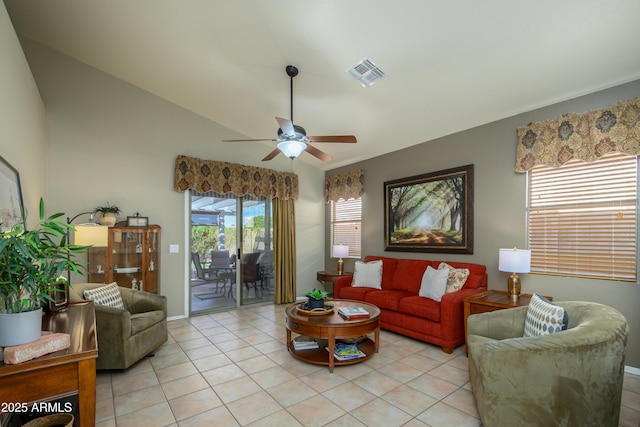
108 295
544 317
434 284
457 277
368 274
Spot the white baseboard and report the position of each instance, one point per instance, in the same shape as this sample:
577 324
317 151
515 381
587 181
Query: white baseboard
631 370
175 318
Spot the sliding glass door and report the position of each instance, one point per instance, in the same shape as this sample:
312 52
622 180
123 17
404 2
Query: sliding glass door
256 250
231 252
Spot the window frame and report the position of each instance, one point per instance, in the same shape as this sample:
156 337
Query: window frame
552 210
354 239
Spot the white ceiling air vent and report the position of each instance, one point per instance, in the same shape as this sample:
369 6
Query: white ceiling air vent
366 72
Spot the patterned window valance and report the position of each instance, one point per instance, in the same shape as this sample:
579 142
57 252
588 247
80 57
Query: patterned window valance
222 177
349 185
585 136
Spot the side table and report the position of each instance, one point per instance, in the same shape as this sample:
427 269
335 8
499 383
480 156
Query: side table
492 300
63 374
328 276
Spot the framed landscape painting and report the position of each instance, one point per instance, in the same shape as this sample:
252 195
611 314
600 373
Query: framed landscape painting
11 206
431 212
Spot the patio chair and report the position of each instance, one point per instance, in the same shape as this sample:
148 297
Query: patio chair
221 267
251 273
206 275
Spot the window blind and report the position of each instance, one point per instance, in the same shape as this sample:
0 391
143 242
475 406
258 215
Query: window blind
582 218
346 219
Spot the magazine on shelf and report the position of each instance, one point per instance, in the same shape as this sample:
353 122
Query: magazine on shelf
343 358
354 312
302 342
347 352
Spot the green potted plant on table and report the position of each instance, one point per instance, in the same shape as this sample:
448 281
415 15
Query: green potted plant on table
316 298
109 214
31 264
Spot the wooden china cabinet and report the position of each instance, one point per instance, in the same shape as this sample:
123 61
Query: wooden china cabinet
131 258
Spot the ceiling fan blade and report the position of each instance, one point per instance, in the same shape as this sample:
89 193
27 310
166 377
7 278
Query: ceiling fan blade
287 126
271 155
317 153
334 138
245 140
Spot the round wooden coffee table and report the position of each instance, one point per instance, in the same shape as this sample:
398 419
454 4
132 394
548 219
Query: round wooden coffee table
332 326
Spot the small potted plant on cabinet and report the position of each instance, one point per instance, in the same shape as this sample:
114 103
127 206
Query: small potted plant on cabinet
316 298
109 214
31 263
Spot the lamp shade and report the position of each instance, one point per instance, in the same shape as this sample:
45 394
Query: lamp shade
91 235
340 251
514 260
292 148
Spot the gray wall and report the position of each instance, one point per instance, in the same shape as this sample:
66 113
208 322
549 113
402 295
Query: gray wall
23 126
111 141
499 204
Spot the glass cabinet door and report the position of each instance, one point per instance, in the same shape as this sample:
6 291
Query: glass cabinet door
127 257
97 264
131 259
152 263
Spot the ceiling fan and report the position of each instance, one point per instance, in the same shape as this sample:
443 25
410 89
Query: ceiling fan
292 139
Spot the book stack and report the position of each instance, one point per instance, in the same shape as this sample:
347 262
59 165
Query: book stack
347 352
353 312
302 342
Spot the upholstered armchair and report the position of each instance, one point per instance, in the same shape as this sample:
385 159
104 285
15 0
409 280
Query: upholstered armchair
126 336
569 378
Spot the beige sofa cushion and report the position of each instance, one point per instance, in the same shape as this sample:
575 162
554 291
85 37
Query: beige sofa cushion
368 274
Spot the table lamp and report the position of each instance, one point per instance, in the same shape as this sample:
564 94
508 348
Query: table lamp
340 251
514 261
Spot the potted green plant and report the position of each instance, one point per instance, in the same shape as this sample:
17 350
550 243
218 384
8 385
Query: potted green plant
316 298
31 263
109 214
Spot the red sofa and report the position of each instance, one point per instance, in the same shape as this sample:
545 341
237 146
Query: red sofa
404 312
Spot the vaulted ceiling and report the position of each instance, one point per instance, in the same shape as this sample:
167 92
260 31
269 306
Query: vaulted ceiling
450 65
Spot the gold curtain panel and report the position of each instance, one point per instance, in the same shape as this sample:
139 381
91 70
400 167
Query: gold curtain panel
586 136
349 185
223 177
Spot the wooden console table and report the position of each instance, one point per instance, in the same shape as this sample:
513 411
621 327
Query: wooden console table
65 373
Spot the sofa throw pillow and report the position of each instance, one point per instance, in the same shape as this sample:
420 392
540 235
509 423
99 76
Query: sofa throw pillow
544 317
108 295
434 283
457 277
368 274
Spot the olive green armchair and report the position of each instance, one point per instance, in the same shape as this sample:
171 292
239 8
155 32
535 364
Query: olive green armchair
569 378
126 336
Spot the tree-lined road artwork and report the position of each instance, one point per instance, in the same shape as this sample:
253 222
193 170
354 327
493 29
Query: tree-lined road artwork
428 213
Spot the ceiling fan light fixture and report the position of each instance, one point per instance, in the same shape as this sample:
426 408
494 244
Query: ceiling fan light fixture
292 148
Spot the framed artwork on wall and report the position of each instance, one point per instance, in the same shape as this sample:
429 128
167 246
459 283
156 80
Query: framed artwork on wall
431 212
11 204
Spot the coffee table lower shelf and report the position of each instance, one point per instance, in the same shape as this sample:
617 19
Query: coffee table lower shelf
320 356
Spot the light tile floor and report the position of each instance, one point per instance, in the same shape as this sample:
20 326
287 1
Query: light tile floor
232 369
